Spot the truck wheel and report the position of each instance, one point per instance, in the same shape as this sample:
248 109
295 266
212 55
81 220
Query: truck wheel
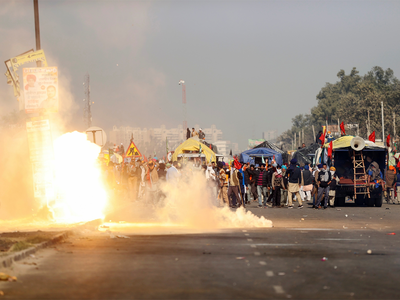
339 201
378 201
370 201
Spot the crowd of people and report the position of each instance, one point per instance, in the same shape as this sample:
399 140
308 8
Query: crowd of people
272 185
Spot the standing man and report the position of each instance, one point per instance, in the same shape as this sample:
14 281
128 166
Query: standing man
294 174
261 191
194 133
234 185
223 183
202 135
323 181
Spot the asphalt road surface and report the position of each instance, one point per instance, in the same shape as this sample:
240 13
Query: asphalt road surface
337 253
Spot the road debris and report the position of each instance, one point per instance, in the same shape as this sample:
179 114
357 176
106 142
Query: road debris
391 233
281 273
369 251
6 277
240 257
324 259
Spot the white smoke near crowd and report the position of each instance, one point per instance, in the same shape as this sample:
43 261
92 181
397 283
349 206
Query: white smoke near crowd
189 205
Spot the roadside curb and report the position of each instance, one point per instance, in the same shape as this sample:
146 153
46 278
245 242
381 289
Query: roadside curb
8 260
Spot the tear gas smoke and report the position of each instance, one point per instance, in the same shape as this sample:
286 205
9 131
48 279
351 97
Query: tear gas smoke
189 206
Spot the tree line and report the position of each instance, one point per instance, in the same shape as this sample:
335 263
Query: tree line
351 100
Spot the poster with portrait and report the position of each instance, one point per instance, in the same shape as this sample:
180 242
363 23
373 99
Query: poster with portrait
40 89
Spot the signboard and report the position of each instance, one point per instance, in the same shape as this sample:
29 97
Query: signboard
132 151
42 157
25 58
253 143
40 89
96 135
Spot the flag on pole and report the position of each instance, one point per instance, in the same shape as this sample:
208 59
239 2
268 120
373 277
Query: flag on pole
372 137
262 159
342 128
388 141
322 137
200 149
330 149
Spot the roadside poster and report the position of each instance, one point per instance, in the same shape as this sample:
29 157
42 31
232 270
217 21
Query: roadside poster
42 157
40 89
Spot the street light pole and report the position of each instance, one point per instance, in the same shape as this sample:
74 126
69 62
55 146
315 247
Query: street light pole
37 28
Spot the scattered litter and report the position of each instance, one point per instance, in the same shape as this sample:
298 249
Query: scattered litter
32 255
302 219
176 259
369 251
324 259
346 216
391 233
240 257
120 236
338 209
281 273
335 267
6 277
387 208
344 227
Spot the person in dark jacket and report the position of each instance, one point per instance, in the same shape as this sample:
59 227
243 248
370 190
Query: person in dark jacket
246 176
188 133
261 190
252 179
294 175
307 183
323 181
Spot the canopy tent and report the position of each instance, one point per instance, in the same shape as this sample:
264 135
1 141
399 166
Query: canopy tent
344 142
305 155
194 145
269 145
247 156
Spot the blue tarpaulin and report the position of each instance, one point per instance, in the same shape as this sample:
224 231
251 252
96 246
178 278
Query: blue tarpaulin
249 155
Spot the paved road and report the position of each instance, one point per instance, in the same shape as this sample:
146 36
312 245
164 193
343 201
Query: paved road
275 263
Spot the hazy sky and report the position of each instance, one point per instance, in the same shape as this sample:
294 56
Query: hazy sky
249 66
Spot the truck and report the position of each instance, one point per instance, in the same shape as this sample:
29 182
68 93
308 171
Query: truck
344 149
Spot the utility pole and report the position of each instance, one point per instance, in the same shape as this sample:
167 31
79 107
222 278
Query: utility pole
295 140
383 125
313 130
87 112
37 29
182 82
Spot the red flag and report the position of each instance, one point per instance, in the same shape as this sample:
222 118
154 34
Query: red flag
388 141
237 164
322 137
330 148
342 128
372 137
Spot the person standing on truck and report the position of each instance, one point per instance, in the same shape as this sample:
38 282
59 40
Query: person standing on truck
323 181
